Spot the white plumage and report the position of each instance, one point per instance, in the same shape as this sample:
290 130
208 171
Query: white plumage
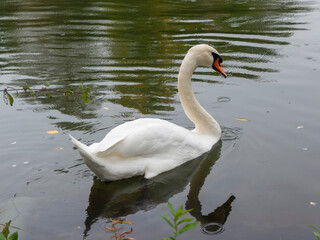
150 146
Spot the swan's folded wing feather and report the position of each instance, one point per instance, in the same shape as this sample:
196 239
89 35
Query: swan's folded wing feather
144 138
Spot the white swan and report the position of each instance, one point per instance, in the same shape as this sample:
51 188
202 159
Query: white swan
151 146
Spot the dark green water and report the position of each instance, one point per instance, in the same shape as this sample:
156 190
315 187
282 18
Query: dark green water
260 182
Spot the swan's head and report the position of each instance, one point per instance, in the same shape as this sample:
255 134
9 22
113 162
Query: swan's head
207 56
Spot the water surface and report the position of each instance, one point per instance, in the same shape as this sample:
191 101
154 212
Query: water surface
257 183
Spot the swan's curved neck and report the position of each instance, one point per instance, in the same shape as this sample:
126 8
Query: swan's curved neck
203 121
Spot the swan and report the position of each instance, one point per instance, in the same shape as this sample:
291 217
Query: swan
150 146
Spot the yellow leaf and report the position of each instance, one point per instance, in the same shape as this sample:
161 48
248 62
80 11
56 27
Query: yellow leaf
52 132
105 108
242 119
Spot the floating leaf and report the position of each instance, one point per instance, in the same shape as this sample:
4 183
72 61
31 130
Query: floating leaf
59 148
242 119
105 108
313 203
6 230
47 84
299 127
10 98
52 132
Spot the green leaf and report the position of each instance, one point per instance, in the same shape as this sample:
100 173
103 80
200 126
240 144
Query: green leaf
47 84
180 212
10 98
32 93
167 219
166 238
171 209
81 87
172 238
84 97
25 88
315 228
13 236
187 227
5 230
185 220
2 237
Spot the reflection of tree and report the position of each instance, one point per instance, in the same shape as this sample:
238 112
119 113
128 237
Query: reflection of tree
132 50
121 198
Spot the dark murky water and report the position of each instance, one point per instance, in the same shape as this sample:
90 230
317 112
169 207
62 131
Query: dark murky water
260 182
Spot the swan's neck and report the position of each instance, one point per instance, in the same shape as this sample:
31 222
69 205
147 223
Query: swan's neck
203 121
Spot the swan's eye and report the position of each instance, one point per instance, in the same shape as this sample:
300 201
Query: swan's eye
216 56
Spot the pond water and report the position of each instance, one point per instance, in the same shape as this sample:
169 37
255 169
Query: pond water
260 182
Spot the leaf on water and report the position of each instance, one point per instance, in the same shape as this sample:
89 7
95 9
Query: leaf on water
125 222
10 98
105 108
299 127
313 203
47 84
242 119
52 132
59 148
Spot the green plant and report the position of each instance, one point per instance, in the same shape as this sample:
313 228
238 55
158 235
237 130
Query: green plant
175 222
5 233
317 234
85 92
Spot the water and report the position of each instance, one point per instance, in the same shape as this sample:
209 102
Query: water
260 182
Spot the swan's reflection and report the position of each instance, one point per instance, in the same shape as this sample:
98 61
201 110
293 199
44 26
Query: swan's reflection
128 196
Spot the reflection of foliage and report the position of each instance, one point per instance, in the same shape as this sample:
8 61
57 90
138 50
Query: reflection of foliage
175 222
85 92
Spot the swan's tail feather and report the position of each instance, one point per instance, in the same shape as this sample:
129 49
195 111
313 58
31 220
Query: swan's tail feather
83 149
91 161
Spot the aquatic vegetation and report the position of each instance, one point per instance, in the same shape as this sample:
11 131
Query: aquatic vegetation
317 233
5 233
85 92
175 222
114 229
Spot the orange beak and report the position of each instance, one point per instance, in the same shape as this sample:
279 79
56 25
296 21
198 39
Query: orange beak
218 68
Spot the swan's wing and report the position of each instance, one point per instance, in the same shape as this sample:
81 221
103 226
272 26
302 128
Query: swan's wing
146 137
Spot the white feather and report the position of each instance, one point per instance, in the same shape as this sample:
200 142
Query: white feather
151 146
